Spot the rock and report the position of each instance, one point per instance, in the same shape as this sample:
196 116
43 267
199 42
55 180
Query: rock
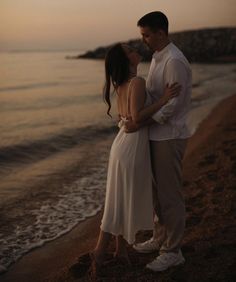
204 45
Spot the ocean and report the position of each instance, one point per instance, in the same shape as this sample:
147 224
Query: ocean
55 138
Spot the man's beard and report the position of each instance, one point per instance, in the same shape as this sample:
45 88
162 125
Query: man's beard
148 45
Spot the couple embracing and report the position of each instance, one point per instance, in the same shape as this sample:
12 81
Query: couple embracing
144 179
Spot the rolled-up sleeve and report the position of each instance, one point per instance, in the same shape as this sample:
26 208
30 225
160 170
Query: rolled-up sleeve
175 71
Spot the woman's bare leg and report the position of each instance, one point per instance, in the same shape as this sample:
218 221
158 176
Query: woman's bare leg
121 248
101 247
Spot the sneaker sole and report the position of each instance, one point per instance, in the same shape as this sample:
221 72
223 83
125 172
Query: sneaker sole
145 251
165 268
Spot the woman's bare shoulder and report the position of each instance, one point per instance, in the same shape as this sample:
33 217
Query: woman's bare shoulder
138 81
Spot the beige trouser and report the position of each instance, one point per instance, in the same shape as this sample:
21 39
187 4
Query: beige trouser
169 206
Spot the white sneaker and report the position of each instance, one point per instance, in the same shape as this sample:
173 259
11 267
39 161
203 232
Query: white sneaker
166 260
148 246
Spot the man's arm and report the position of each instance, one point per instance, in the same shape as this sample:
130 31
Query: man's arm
175 71
143 116
131 126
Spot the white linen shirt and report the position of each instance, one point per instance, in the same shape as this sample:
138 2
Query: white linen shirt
168 66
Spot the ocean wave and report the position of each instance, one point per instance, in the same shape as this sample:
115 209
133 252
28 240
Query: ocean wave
82 199
49 103
29 86
40 149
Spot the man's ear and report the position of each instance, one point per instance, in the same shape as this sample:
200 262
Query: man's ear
161 33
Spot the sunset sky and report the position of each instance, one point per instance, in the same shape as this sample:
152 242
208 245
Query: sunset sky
86 24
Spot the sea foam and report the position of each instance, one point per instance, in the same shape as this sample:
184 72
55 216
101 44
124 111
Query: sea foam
83 198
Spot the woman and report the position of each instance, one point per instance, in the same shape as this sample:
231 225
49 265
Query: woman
128 205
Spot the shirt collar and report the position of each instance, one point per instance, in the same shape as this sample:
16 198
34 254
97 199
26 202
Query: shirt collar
157 55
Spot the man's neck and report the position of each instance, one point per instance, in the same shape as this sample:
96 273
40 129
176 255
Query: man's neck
163 45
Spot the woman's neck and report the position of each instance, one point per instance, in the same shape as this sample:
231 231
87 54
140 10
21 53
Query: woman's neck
133 72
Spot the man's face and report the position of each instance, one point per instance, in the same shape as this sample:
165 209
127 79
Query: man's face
150 38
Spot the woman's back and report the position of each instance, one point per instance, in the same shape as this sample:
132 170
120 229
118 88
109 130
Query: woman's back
124 92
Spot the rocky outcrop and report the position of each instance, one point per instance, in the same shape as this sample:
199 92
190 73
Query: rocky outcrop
207 44
203 45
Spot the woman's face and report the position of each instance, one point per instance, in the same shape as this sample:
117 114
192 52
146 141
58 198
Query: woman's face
132 54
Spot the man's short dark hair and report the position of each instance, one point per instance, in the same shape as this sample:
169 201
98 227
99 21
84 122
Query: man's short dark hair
154 20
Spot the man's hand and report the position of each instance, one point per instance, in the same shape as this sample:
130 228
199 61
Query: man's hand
131 126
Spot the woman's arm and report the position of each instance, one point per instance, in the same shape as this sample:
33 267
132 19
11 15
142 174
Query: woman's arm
131 126
139 114
142 116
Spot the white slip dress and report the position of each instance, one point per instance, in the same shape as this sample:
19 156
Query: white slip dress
128 204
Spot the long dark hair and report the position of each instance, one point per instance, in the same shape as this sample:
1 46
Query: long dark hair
116 71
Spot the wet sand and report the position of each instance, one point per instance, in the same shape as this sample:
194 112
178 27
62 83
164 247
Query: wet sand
209 242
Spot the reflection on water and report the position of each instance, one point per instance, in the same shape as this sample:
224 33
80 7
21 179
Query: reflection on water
43 93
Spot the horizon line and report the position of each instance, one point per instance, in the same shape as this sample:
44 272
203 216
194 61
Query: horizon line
50 49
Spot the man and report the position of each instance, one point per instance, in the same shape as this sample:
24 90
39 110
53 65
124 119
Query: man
168 138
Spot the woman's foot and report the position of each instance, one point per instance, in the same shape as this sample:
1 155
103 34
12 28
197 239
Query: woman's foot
96 264
97 257
122 258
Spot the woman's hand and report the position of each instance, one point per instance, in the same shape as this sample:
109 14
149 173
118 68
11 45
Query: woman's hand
170 92
131 126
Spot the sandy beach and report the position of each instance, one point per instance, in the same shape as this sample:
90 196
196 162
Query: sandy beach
209 188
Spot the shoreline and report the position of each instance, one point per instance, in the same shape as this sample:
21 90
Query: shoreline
47 262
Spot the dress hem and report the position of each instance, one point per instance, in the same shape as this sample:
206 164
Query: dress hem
130 242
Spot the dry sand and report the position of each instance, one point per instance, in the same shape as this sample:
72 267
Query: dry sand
210 237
